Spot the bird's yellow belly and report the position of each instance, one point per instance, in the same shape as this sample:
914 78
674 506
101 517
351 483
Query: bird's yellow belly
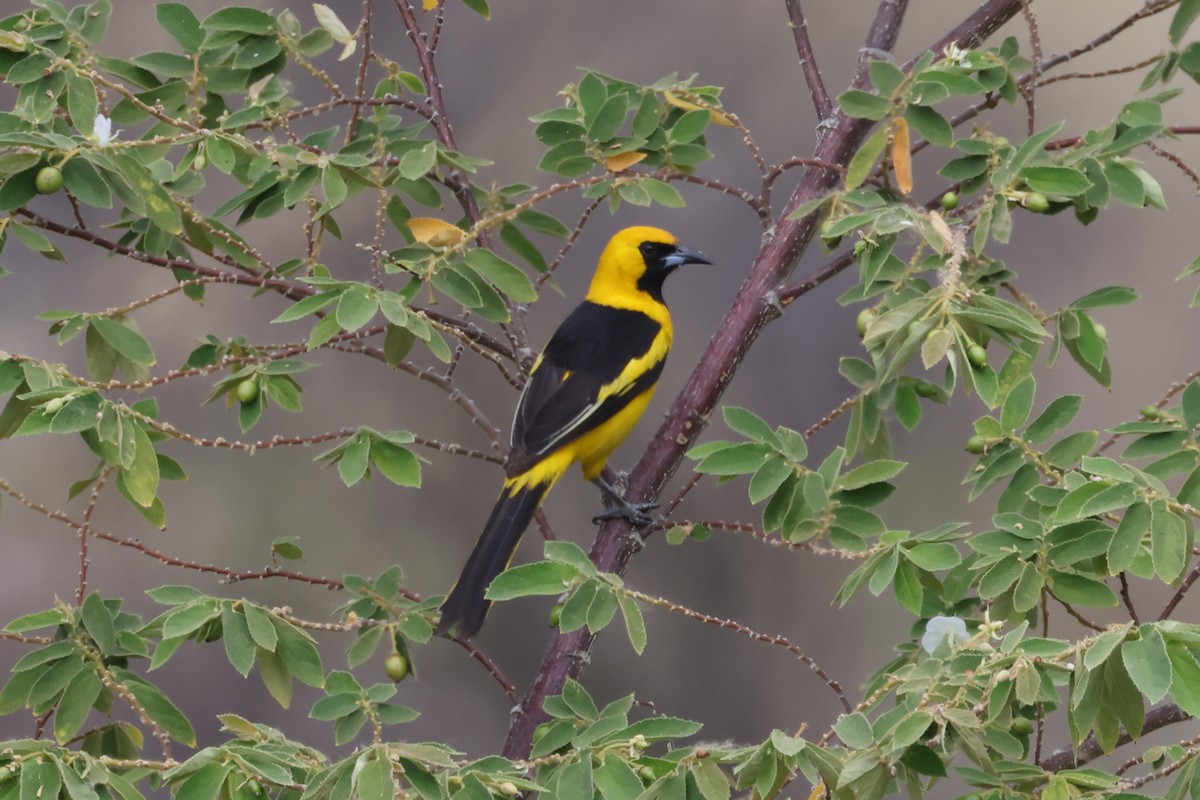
590 451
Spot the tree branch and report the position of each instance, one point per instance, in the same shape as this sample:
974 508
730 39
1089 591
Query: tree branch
1160 716
808 60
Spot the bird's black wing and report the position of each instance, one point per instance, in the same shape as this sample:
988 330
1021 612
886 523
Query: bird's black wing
588 352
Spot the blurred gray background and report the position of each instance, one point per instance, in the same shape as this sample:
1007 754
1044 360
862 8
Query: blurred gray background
496 74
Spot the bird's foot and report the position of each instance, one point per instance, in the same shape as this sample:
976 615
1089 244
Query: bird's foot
634 512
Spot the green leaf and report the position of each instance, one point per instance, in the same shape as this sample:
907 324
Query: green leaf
727 459
855 731
334 706
398 464
239 644
261 626
1104 646
39 619
933 556
1055 417
141 478
308 305
565 552
749 424
125 339
661 728
1191 405
930 124
1185 15
241 19
99 623
158 707
205 783
1126 542
506 277
1081 590
179 21
81 104
1169 542
1056 180
635 624
275 677
356 307
75 704
1068 451
39 779
1106 297
662 193
608 120
417 163
352 465
187 619
1185 678
873 472
1018 405
540 578
299 654
857 103
1147 663
82 180
615 780
155 200
864 160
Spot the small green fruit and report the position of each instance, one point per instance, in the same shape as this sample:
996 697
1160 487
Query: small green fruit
1037 202
1088 215
926 389
1150 412
253 788
1000 142
247 391
1101 331
1003 675
6 774
647 774
950 201
555 615
864 319
1021 726
977 356
975 445
199 162
55 405
48 181
396 667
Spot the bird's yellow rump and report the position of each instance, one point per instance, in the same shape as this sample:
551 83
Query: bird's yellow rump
585 393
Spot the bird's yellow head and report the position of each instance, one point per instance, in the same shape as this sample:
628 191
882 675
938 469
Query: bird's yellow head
634 265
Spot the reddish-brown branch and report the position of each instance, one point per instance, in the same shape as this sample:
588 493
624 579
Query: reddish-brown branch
510 690
1180 593
808 61
1160 716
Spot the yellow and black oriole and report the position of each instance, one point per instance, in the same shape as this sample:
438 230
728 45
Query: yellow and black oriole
585 393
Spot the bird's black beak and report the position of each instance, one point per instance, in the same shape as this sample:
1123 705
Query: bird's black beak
685 255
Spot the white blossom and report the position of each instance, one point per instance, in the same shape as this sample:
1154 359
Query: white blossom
102 130
939 628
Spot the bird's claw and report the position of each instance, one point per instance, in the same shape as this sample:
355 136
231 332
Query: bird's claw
634 512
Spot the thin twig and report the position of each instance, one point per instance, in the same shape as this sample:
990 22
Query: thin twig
81 591
808 61
734 625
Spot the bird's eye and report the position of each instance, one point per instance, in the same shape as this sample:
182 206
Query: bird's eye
647 248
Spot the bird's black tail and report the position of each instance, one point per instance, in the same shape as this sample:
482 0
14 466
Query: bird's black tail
465 607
